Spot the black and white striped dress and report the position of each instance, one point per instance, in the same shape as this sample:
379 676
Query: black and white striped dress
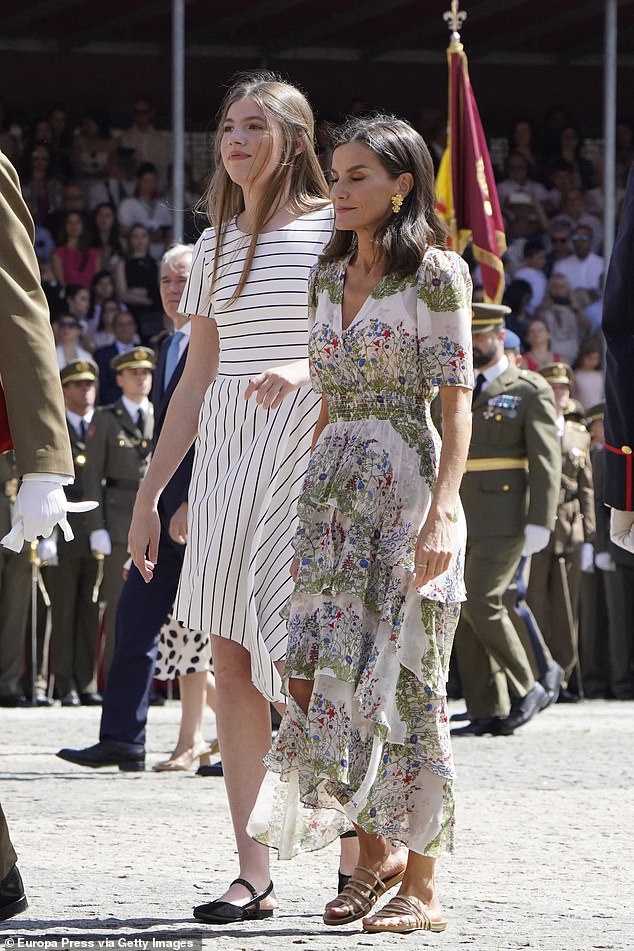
250 463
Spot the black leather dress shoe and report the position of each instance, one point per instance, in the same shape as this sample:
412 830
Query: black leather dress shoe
14 700
480 726
524 708
90 699
12 897
568 696
71 699
129 757
213 769
463 715
551 682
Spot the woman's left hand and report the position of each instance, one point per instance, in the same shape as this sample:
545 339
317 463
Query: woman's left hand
272 386
437 541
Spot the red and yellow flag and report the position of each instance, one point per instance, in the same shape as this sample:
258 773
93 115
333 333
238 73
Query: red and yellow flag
466 196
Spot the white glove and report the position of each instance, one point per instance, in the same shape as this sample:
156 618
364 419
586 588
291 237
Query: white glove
100 542
586 560
47 551
604 561
622 529
536 537
39 507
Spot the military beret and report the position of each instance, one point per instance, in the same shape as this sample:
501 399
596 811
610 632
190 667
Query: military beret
557 373
511 340
487 316
78 370
139 357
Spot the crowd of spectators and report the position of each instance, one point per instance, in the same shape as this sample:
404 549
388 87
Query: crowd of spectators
103 219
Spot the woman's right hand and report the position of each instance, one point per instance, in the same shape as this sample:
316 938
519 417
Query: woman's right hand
143 538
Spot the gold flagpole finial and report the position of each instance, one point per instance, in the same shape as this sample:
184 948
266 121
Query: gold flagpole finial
454 19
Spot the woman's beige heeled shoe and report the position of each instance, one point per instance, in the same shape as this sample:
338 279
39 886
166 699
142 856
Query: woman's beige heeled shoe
187 759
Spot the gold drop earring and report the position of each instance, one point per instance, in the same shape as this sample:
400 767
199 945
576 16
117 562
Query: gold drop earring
397 201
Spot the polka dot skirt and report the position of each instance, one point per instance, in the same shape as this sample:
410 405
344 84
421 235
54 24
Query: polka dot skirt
181 651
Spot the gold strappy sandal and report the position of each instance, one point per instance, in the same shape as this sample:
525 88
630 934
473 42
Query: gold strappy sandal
361 895
402 906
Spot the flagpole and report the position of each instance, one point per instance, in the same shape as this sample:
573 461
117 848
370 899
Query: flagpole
454 19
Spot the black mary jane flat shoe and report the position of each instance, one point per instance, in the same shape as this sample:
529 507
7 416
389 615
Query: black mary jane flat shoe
224 912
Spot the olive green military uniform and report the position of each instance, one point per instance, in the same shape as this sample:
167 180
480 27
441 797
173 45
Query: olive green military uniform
71 583
15 587
118 459
28 367
511 479
548 592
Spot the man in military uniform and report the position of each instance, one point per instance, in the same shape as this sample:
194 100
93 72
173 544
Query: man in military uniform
119 442
553 588
509 493
72 581
609 662
15 593
33 423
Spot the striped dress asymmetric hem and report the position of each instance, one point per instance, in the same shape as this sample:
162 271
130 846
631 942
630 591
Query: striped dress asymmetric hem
250 463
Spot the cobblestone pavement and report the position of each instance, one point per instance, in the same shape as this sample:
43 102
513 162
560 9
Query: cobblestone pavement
543 859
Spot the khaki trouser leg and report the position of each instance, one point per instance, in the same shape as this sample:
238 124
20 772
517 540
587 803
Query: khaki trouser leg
490 566
8 858
15 595
619 586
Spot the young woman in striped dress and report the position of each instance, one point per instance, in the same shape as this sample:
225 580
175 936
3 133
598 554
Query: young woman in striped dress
245 394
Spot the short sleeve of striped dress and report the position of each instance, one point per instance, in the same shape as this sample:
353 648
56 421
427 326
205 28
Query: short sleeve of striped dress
250 463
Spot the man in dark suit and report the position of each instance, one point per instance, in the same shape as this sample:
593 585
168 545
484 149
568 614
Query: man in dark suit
35 418
125 332
618 329
143 608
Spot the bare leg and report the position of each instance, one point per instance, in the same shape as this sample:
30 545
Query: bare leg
376 853
419 881
244 731
193 688
211 691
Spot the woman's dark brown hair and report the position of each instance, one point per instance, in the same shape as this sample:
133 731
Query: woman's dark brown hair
404 238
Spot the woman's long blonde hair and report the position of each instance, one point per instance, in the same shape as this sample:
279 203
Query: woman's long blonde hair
298 174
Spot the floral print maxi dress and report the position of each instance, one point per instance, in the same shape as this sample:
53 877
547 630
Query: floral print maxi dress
374 748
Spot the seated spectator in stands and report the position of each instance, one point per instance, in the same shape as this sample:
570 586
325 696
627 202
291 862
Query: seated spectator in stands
61 144
538 350
78 303
517 180
117 182
431 123
570 149
42 192
105 236
588 381
136 281
624 149
564 318
125 338
39 131
594 199
574 212
67 331
104 334
146 208
559 233
516 296
9 143
522 140
92 147
521 200
560 180
532 271
583 267
72 200
102 290
73 260
555 120
146 142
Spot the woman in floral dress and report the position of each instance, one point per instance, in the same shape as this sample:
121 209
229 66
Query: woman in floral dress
380 543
